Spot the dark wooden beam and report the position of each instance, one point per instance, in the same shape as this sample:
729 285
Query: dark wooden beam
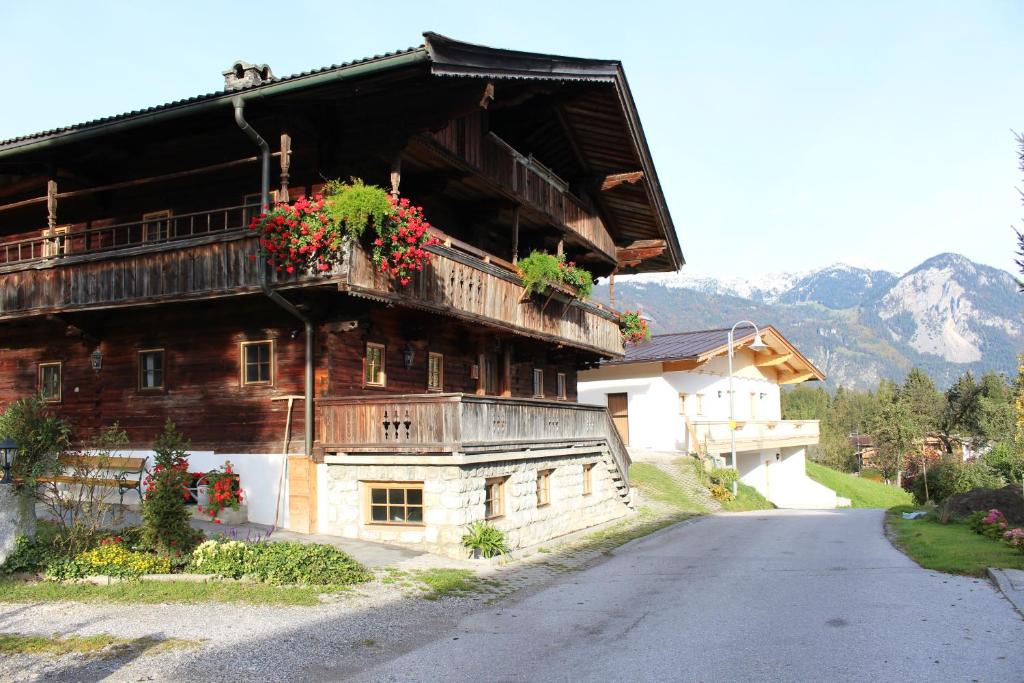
615 179
639 250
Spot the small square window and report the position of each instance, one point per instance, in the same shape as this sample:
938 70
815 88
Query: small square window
258 362
395 503
494 497
50 382
543 487
375 374
561 387
151 369
435 372
538 383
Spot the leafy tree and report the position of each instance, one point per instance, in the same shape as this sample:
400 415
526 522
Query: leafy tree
895 432
925 403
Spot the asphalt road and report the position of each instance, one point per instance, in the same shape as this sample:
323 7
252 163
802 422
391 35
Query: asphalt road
765 596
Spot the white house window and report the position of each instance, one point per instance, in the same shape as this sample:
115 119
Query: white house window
682 404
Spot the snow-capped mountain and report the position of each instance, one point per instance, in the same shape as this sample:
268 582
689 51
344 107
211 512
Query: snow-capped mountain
858 325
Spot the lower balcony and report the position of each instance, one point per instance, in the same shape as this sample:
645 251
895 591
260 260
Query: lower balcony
450 424
715 436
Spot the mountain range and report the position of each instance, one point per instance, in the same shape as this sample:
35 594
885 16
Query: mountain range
947 315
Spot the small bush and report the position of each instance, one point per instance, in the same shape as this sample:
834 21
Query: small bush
720 493
111 559
312 564
29 556
486 538
723 476
165 519
950 477
540 269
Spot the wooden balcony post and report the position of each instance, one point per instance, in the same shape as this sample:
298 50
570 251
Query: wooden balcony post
396 174
51 203
611 288
506 371
481 379
515 233
286 164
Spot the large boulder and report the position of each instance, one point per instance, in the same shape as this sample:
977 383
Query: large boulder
1007 500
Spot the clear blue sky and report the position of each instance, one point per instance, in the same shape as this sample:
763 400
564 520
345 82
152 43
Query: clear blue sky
788 135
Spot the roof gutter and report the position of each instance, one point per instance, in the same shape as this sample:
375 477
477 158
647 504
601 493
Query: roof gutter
270 90
239 107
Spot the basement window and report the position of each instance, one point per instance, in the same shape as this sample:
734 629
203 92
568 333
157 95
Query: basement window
394 503
588 479
543 487
494 497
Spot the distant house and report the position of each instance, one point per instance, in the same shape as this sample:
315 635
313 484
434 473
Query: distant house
672 394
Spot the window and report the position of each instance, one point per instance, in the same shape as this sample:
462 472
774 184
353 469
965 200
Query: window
543 487
490 374
156 226
258 362
395 503
588 479
561 386
374 374
682 404
753 405
49 382
494 497
151 369
435 372
700 404
538 383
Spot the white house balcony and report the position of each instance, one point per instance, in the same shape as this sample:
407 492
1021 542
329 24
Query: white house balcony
714 436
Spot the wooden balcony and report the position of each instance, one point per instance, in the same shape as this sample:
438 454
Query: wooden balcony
713 436
523 179
210 254
447 424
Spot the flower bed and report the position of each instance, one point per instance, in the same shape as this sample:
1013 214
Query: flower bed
993 524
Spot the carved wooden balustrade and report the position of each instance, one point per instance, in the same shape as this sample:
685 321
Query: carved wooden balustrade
462 423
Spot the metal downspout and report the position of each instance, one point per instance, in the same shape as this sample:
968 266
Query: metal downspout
239 106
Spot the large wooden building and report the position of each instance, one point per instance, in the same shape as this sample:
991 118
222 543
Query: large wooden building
131 290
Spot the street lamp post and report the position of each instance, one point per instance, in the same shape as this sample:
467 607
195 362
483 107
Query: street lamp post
756 345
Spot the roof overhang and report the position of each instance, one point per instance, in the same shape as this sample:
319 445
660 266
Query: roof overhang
793 367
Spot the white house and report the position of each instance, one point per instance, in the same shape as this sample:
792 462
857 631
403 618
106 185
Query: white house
672 394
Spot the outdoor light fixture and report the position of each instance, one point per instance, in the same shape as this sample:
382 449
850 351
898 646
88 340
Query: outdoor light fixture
96 359
758 344
408 355
8 452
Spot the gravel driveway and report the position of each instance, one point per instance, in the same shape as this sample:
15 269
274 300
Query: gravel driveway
788 596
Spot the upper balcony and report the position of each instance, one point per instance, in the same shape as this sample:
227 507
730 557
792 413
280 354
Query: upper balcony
715 436
210 254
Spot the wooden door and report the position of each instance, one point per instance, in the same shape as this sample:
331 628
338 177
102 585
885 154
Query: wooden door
301 494
618 406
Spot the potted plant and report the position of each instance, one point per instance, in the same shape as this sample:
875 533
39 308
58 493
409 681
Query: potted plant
484 540
634 328
223 496
541 272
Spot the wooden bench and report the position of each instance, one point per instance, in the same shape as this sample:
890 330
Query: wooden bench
130 472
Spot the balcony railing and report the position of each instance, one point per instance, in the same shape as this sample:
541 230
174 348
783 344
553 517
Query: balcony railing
714 436
444 424
154 230
527 179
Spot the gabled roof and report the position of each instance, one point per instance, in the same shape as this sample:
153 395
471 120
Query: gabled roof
605 124
700 346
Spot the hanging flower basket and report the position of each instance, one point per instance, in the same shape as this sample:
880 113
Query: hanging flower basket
543 273
634 328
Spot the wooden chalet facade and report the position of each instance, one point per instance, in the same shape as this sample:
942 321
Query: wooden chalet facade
132 291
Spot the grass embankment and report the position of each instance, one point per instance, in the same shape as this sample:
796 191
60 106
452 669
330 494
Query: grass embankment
655 484
154 592
863 493
951 547
98 645
747 498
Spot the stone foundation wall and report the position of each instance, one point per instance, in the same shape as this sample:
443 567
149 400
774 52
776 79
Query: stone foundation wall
453 497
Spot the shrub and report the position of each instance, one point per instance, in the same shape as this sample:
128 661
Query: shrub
313 564
1006 460
486 538
354 205
720 493
950 477
109 559
40 437
29 555
723 476
165 519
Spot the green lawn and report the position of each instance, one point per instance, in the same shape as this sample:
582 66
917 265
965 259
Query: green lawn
863 493
951 547
160 592
747 498
656 485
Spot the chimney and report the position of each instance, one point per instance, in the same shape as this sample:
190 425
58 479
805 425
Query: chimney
243 75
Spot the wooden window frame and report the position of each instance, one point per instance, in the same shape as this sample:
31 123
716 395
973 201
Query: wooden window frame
544 487
700 405
273 353
753 405
440 371
153 217
60 380
256 206
563 387
369 486
682 402
499 499
163 370
588 478
383 364
538 386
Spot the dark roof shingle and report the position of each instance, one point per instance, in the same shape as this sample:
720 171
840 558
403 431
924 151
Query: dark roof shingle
679 345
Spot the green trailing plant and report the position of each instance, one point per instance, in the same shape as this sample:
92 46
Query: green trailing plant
486 538
354 205
540 270
165 518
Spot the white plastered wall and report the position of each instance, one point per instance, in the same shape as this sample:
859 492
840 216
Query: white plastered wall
780 476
